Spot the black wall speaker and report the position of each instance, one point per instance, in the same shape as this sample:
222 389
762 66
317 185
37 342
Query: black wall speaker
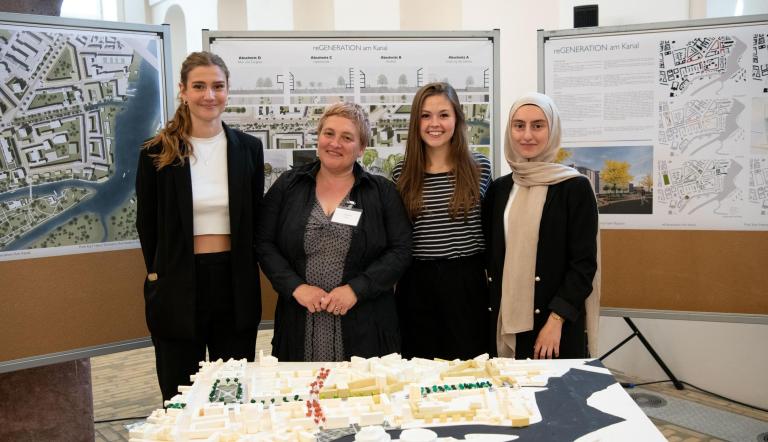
584 16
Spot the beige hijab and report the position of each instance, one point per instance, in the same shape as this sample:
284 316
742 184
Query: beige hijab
533 178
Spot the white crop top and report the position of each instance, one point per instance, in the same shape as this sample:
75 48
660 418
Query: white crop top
210 191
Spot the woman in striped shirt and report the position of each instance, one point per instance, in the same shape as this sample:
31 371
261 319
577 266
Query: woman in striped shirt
443 297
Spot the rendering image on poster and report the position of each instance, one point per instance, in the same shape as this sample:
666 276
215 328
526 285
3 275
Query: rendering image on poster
621 176
280 88
696 98
75 108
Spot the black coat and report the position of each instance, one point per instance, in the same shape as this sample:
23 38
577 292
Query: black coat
164 223
566 260
379 253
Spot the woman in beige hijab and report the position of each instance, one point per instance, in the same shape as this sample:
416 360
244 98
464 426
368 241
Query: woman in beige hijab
541 231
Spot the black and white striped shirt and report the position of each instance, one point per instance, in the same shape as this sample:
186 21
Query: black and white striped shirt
435 234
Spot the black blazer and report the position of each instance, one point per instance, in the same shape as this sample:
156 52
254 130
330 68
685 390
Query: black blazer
164 223
566 255
379 253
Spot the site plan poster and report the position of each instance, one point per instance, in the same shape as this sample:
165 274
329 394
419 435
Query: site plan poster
76 106
280 87
671 127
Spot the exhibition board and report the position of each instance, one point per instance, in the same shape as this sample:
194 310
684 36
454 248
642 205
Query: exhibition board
282 81
669 121
63 308
77 98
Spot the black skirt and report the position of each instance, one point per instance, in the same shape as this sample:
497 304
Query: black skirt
443 308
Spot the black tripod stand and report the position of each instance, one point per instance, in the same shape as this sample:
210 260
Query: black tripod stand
639 334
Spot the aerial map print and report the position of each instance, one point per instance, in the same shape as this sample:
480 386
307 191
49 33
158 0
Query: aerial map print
690 185
760 61
75 107
701 124
691 67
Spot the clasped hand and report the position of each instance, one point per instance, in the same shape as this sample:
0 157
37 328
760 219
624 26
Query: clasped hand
338 301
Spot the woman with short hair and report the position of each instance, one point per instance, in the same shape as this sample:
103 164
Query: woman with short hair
333 240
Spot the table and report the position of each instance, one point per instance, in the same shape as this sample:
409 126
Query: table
575 399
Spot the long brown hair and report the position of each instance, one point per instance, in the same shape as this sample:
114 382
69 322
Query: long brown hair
466 192
174 137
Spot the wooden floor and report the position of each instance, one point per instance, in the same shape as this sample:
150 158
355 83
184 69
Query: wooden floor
125 386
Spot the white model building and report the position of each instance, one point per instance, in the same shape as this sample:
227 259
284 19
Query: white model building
236 401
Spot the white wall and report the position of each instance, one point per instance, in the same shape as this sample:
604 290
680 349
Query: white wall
420 15
199 15
313 15
270 15
518 25
231 16
87 9
728 8
725 358
176 19
622 12
367 15
132 11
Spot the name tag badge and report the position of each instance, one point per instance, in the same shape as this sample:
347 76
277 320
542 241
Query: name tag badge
349 217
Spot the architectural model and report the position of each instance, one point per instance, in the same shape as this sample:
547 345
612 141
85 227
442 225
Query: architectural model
298 402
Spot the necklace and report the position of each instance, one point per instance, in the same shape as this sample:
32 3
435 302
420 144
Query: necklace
207 158
205 148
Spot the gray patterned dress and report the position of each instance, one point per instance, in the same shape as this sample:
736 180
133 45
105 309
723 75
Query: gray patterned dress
326 245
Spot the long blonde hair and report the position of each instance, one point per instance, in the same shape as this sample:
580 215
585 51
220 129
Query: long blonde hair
466 192
174 137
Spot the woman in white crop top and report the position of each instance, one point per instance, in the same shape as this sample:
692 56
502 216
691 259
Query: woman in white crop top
198 187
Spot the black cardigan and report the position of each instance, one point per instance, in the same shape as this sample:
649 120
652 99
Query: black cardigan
164 223
379 253
566 256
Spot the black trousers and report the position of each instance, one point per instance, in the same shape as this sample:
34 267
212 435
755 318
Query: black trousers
443 308
177 359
